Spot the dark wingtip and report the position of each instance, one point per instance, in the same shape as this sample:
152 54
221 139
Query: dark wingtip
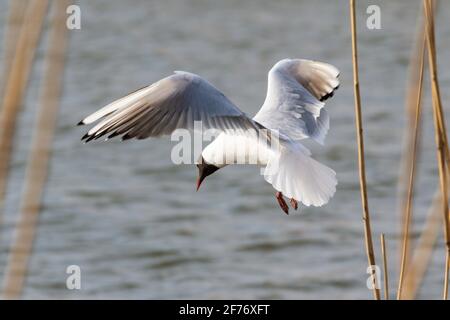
114 134
329 94
81 123
90 138
127 137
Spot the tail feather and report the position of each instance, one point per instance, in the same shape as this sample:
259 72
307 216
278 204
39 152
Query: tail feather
298 176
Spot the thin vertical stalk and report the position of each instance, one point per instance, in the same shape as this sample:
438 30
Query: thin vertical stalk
16 84
385 268
415 92
360 140
40 155
423 252
15 21
440 134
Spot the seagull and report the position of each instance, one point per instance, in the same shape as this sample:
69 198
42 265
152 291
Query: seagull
293 111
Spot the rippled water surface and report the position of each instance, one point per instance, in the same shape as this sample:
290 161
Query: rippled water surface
132 220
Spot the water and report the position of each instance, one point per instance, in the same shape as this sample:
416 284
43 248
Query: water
132 220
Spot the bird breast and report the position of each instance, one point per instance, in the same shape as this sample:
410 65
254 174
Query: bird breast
237 149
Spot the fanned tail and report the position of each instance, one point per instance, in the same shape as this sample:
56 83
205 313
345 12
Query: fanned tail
298 176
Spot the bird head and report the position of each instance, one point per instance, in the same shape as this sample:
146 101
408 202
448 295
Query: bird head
204 169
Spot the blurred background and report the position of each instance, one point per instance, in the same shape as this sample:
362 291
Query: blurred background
132 220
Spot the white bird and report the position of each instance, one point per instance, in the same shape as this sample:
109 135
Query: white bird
293 110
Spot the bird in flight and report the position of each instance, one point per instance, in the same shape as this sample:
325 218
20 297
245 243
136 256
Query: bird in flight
293 110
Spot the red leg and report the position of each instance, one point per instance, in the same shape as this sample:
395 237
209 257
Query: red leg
294 203
282 203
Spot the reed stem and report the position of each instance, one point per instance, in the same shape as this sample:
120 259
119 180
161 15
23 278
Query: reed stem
414 104
16 83
440 133
385 267
423 252
361 160
16 15
40 154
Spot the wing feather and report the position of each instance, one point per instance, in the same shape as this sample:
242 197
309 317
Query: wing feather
169 104
294 102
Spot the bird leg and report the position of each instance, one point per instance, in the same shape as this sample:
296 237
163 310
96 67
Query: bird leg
294 203
282 203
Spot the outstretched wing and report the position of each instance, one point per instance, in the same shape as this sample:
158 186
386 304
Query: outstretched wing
171 103
295 94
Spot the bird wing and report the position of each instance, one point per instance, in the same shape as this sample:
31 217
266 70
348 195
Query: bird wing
295 94
169 104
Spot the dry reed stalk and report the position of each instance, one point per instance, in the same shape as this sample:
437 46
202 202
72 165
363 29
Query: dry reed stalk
360 140
16 83
440 133
423 252
429 14
414 99
16 17
385 268
40 155
428 238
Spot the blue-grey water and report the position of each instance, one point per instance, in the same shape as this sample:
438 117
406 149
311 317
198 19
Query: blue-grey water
132 220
